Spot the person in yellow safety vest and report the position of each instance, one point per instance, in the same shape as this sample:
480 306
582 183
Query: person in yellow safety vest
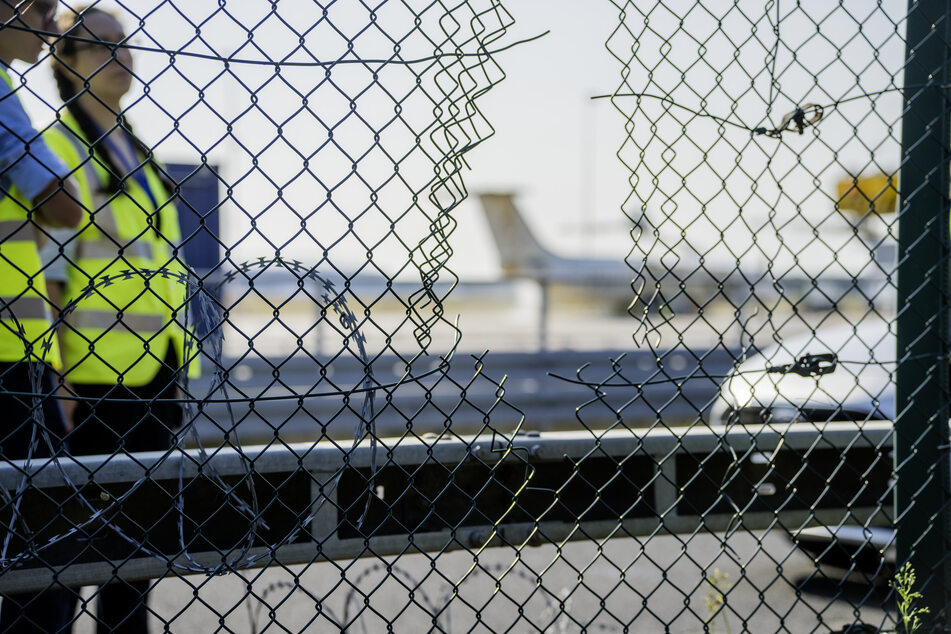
123 345
35 194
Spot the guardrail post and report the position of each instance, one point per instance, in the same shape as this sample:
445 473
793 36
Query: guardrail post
921 423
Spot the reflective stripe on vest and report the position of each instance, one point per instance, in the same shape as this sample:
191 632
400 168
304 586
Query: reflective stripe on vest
26 329
23 307
17 230
106 320
122 328
106 249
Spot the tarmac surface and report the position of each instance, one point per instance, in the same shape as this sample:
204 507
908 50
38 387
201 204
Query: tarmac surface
626 584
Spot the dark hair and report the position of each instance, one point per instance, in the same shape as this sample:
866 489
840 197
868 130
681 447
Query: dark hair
69 92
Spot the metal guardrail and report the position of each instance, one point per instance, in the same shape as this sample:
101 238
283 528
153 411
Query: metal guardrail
476 492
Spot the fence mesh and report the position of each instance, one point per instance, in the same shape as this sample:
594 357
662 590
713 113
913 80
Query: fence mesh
238 398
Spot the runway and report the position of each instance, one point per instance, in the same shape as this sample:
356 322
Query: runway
306 398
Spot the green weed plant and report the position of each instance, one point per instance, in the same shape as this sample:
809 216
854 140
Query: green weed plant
908 612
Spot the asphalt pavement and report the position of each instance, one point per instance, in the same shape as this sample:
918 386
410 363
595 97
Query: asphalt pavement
625 584
303 398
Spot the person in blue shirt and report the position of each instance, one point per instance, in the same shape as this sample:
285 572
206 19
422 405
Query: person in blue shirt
34 180
25 159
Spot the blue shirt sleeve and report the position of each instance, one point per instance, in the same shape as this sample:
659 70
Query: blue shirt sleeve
25 159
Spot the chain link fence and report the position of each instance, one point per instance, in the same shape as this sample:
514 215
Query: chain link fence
236 392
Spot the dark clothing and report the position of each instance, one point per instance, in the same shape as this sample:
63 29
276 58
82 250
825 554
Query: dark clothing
49 610
121 608
128 420
37 612
17 404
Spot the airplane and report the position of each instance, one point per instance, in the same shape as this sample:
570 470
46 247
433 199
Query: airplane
612 283
668 284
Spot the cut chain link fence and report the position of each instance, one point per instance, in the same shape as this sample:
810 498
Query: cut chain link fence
236 399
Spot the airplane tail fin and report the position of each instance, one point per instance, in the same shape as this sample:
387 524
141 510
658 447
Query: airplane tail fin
520 252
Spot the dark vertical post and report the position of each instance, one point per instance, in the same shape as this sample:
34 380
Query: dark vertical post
921 423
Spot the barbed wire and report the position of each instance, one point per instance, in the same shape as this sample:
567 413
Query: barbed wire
707 376
277 64
363 428
794 117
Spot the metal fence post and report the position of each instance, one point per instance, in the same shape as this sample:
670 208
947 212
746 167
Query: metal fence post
921 424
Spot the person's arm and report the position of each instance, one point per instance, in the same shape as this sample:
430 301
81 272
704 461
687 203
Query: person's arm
27 162
57 206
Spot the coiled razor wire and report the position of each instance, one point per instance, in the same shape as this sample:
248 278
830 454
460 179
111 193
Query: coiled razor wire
439 612
96 514
208 309
363 430
255 613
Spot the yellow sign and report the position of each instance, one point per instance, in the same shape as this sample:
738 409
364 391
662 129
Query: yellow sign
860 195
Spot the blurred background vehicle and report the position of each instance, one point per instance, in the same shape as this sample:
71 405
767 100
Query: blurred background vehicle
843 373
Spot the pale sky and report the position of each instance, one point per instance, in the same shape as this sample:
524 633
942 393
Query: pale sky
552 143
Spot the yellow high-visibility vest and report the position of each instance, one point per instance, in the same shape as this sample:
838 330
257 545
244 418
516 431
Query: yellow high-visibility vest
25 323
121 332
